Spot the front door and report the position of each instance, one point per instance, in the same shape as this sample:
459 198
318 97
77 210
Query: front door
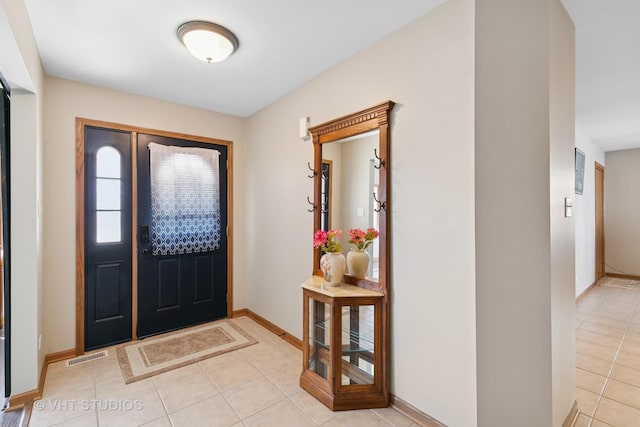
107 183
182 271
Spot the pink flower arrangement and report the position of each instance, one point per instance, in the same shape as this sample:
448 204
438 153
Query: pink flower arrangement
327 240
362 239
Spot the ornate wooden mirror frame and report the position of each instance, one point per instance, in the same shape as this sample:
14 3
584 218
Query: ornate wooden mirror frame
370 119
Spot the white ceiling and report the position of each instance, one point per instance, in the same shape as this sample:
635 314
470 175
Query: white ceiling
608 70
131 45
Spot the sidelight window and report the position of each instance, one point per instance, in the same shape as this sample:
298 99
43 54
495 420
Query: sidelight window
108 196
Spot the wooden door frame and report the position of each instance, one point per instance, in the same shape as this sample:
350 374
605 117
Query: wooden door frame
81 123
599 167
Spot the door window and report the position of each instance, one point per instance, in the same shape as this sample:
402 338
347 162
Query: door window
108 196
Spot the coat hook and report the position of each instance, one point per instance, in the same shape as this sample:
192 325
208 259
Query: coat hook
312 170
381 205
380 161
312 204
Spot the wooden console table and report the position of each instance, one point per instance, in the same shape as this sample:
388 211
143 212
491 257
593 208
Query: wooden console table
342 349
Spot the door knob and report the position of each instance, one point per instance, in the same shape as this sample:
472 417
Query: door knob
146 251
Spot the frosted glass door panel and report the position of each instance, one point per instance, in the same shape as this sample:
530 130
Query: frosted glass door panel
108 194
108 228
108 163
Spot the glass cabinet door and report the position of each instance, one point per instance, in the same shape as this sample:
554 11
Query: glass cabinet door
319 338
358 337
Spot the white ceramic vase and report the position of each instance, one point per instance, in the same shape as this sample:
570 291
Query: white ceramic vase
358 262
333 265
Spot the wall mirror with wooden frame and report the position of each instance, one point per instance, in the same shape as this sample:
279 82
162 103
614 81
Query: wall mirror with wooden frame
351 190
346 328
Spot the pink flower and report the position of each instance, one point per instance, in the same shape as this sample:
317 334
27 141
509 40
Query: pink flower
362 239
327 240
356 235
320 238
372 233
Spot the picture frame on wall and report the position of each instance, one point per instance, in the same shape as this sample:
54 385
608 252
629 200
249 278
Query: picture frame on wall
579 161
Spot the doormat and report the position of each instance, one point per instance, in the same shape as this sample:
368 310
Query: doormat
162 353
614 282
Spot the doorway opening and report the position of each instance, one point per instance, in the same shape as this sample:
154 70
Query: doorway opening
599 197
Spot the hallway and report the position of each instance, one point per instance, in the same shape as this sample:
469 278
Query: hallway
608 355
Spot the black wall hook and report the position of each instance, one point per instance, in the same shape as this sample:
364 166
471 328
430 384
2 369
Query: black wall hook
381 205
312 204
312 170
380 161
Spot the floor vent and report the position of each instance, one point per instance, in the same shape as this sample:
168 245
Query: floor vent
87 358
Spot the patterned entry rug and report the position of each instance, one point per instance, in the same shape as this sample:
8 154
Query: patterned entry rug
162 353
614 282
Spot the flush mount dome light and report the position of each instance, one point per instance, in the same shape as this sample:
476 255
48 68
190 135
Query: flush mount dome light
207 41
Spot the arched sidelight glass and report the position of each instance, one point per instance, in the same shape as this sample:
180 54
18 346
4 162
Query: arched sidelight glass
108 195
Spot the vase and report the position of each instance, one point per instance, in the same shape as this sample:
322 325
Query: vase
332 265
358 262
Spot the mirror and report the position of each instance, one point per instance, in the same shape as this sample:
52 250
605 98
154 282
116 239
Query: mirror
350 189
349 180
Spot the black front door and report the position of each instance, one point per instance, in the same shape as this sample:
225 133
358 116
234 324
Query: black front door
178 289
108 240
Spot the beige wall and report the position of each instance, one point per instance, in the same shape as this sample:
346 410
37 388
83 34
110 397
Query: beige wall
427 68
562 229
66 100
20 64
622 204
584 214
524 244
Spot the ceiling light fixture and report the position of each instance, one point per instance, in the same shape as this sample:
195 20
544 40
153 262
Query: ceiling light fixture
207 41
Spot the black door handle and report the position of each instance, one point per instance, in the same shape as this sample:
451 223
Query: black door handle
146 251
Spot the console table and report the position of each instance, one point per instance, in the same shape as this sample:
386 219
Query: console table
342 349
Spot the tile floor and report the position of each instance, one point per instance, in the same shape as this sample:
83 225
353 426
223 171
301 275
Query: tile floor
253 386
258 385
608 356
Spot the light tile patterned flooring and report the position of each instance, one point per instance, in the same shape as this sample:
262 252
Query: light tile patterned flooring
253 386
258 385
608 356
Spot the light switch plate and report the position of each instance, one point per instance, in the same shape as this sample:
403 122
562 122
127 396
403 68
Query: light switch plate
568 207
304 127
